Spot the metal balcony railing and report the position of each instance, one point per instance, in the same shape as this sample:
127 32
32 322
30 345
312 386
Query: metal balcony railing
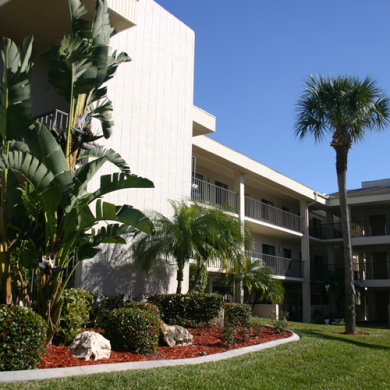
370 228
367 228
54 118
212 194
372 270
281 266
269 214
317 271
326 231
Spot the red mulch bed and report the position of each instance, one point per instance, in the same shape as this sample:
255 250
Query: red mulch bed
206 342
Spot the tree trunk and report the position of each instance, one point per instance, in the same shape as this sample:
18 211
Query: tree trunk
197 277
342 143
179 279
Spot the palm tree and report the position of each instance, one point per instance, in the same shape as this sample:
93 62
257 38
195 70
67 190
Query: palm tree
256 280
344 107
197 232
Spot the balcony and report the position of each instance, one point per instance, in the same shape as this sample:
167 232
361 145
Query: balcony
212 194
319 271
281 266
372 270
272 215
367 228
55 118
327 231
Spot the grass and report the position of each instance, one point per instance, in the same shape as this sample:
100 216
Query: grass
322 359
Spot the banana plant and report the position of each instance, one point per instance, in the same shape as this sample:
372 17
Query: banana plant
61 210
15 118
78 69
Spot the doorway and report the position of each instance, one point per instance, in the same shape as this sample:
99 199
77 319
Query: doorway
382 306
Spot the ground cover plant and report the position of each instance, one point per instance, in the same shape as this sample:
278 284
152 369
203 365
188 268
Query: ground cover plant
322 359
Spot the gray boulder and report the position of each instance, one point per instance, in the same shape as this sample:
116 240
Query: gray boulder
175 335
88 345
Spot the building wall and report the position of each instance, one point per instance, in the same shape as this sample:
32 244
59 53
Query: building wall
153 107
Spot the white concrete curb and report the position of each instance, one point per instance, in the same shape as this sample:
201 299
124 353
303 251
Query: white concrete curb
52 373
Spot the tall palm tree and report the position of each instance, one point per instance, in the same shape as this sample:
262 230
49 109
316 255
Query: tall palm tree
198 232
346 108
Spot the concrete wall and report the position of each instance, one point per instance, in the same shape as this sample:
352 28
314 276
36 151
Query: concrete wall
153 109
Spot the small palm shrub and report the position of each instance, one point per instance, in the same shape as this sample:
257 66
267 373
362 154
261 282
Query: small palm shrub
187 309
74 315
135 328
22 338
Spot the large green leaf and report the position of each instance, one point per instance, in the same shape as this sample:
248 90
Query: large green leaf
15 103
111 234
112 156
80 26
44 147
119 181
124 214
102 110
86 172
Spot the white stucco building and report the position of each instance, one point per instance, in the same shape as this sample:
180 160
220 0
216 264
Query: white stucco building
162 135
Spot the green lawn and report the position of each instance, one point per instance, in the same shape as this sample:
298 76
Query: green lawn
322 359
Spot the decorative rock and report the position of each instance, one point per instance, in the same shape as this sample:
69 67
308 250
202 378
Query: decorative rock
175 335
90 344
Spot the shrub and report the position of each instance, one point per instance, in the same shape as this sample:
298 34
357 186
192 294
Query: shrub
187 310
237 314
74 315
133 329
203 280
22 338
146 306
102 307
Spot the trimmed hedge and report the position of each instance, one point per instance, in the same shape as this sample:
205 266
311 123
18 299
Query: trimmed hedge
133 329
237 314
187 310
74 315
22 338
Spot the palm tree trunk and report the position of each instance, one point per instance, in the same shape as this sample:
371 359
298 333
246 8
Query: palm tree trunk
197 277
179 279
342 143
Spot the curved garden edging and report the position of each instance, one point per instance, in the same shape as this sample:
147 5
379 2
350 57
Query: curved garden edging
53 373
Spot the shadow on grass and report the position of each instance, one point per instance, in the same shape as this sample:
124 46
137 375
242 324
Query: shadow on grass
344 338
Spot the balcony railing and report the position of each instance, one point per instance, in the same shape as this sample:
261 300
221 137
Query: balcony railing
281 266
372 270
326 231
212 194
317 271
269 214
368 228
54 118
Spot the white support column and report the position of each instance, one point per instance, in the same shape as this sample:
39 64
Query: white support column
239 187
305 250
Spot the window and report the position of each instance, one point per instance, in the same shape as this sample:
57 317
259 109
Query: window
268 250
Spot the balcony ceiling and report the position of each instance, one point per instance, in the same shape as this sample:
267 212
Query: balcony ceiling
47 20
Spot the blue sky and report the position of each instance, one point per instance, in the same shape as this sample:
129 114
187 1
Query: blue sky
251 59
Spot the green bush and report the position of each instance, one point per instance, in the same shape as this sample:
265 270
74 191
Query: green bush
203 280
133 329
102 307
146 306
187 310
22 338
74 315
237 315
